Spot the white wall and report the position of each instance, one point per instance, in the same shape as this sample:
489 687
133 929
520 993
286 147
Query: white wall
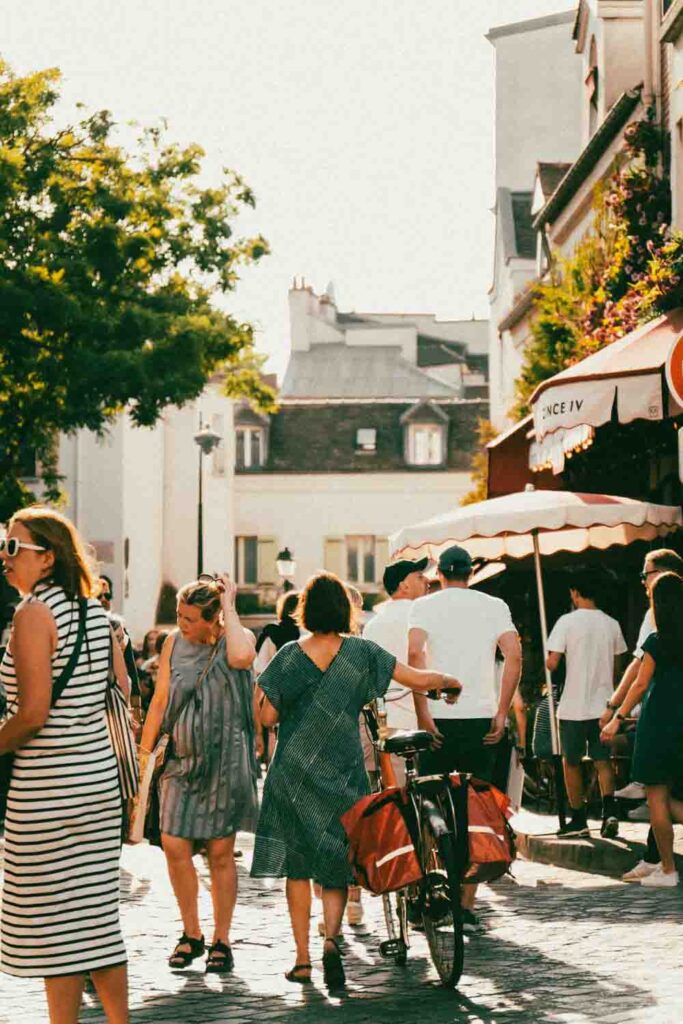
539 91
301 511
675 120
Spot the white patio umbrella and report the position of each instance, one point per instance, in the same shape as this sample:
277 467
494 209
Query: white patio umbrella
537 523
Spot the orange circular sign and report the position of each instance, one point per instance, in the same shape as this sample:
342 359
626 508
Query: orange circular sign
674 370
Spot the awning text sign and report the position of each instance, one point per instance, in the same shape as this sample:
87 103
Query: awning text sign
591 402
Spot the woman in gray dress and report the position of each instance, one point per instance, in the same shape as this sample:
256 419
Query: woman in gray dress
315 689
204 698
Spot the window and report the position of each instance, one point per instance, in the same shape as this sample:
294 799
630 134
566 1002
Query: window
246 561
366 439
425 444
593 88
360 559
250 448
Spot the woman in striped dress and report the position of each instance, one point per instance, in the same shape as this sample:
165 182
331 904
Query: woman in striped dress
59 918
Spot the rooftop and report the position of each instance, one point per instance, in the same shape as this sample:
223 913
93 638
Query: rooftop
343 371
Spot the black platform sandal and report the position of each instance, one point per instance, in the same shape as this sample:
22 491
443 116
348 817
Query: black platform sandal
179 958
333 969
300 974
221 960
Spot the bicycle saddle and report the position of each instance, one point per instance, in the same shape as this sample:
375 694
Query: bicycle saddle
408 743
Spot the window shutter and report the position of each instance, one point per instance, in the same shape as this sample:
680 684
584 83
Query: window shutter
381 557
267 557
335 556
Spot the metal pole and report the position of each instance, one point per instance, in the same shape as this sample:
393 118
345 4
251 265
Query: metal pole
554 737
200 522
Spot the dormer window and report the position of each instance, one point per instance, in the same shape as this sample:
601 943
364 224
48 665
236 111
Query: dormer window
425 435
366 440
249 447
425 444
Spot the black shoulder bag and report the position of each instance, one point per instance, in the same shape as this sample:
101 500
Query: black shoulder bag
58 687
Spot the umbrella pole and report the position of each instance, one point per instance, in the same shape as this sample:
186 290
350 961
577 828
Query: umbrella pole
554 738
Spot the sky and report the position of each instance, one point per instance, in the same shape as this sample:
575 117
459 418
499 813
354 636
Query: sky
365 128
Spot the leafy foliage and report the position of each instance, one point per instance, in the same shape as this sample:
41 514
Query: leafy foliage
627 270
108 261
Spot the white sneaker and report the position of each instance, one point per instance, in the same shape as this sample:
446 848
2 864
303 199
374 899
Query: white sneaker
634 791
660 879
640 813
640 871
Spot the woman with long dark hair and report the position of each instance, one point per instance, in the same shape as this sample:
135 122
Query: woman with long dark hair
658 754
60 897
203 698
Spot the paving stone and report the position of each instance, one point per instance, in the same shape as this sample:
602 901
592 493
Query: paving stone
562 947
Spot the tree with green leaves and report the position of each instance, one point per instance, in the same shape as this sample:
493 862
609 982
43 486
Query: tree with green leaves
108 264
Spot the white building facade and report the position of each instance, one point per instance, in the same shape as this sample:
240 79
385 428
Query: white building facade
133 495
376 427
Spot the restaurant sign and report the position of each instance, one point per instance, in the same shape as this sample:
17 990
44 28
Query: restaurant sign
591 402
674 370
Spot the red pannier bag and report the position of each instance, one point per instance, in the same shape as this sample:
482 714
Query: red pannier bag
490 840
381 849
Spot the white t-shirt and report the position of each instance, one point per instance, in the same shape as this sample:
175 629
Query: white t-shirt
647 627
389 629
590 641
463 628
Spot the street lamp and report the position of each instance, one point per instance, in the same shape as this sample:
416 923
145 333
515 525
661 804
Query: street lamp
286 569
206 440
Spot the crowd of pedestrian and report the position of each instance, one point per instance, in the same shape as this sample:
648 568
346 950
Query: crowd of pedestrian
227 706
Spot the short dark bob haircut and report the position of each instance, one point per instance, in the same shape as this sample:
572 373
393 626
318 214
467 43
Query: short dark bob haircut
325 606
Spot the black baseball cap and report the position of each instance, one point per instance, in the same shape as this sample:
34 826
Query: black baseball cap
455 560
395 573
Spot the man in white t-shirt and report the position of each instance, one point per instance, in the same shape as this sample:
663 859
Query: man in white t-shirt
404 582
591 643
458 631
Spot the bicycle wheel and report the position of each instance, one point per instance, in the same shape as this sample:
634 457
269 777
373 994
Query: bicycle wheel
441 915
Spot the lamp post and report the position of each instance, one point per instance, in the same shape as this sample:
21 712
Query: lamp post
286 569
206 440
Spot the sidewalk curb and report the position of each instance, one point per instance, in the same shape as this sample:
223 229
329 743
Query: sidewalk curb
596 856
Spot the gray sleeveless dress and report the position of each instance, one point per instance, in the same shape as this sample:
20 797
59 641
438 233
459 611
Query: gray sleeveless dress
208 788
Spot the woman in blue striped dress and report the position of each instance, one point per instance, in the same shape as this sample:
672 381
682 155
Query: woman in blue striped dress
60 895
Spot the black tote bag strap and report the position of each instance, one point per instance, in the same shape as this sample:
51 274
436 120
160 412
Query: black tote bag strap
59 685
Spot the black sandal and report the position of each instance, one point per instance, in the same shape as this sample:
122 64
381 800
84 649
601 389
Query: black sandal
180 958
221 960
333 969
296 974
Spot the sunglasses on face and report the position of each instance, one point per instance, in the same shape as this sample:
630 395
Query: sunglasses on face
11 547
644 575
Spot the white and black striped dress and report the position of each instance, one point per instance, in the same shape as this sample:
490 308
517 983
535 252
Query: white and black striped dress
60 892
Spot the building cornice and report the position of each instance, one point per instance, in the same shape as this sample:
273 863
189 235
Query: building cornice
531 25
586 161
518 311
284 403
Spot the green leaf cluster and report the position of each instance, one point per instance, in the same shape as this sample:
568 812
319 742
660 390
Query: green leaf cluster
109 262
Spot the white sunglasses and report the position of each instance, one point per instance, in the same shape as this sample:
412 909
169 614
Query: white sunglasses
11 547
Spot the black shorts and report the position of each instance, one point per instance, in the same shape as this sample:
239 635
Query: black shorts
579 739
462 750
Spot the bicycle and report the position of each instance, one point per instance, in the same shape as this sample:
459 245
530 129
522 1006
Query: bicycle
436 808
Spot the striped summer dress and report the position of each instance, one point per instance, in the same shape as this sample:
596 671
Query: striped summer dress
60 893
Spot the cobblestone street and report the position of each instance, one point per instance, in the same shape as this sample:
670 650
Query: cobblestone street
560 946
